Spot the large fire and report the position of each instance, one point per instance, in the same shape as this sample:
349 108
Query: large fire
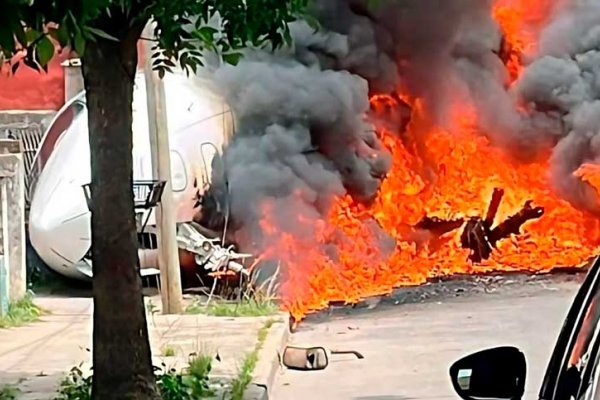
521 22
344 258
590 173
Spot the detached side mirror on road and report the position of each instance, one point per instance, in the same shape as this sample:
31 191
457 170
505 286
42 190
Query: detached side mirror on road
497 373
305 359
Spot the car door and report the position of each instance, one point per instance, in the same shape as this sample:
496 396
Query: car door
590 384
567 375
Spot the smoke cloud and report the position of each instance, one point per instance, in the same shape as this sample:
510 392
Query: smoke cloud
563 84
302 138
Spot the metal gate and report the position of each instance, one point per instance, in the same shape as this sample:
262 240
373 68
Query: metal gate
30 135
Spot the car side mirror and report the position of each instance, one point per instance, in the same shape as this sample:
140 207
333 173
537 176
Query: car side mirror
497 373
305 359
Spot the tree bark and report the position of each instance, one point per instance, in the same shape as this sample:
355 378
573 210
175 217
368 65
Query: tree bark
121 350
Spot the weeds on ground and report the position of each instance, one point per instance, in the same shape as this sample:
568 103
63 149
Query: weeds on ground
151 308
241 382
255 301
198 373
244 308
75 386
8 392
21 312
263 332
191 384
168 351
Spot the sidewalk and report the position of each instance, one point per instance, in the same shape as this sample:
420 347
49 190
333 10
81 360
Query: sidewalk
37 356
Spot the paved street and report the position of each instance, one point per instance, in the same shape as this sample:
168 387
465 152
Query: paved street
410 340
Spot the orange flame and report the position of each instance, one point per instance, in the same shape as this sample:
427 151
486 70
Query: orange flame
589 173
521 22
343 258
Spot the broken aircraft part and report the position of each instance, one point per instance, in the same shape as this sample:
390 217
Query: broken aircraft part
209 253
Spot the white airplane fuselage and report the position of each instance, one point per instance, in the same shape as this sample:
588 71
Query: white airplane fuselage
59 219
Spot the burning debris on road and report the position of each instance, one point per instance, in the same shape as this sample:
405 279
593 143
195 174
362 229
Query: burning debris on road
481 238
417 110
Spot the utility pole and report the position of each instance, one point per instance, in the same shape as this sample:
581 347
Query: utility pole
168 254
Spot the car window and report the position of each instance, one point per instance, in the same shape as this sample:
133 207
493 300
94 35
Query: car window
593 390
572 350
589 361
582 346
576 382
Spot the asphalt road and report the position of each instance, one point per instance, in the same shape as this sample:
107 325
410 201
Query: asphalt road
410 340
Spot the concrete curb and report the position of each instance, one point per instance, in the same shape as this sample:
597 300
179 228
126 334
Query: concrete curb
268 365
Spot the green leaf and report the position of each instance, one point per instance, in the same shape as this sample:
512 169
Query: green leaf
79 44
232 58
287 36
44 50
31 35
241 23
100 33
207 33
60 34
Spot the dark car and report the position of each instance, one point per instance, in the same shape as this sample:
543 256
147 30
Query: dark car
572 373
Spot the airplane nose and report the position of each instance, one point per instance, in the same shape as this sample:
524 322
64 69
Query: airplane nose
59 225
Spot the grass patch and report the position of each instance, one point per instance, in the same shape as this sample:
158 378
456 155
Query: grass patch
168 351
241 382
255 299
9 392
193 383
75 386
244 308
21 312
199 370
263 332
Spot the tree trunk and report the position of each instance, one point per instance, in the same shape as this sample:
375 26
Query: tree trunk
121 350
